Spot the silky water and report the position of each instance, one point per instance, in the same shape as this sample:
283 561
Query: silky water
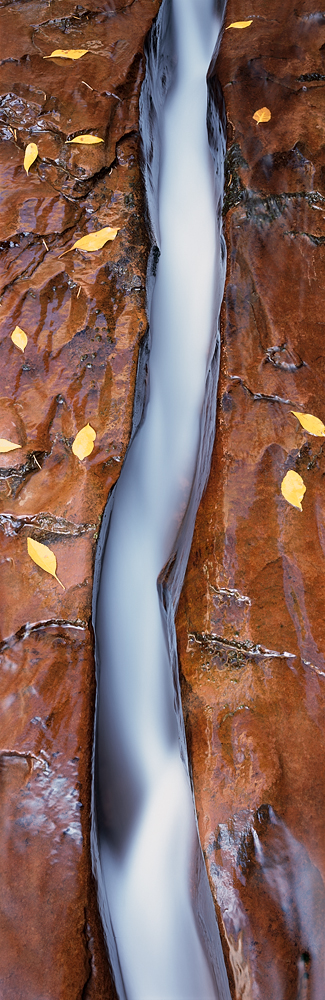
146 836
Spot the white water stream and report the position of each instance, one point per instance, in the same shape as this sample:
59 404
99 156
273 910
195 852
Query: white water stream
147 840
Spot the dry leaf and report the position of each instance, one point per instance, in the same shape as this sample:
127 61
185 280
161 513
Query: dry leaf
86 140
311 424
19 338
43 557
293 488
67 54
239 24
6 446
84 442
31 154
262 115
94 241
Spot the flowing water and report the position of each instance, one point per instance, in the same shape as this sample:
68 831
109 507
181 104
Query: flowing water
147 849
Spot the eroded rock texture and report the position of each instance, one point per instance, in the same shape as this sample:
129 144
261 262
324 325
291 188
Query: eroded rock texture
251 617
84 317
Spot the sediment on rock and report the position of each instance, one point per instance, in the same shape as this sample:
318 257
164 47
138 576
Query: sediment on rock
250 620
84 317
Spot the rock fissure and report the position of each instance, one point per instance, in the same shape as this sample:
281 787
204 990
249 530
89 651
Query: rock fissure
228 592
261 208
210 641
44 525
318 241
261 395
26 630
19 473
154 483
311 77
30 759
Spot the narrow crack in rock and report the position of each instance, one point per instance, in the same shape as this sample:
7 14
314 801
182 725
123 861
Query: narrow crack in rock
44 524
261 395
26 630
212 642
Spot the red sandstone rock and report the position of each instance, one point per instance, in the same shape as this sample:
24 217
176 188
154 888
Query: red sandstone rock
84 316
254 588
47 701
251 616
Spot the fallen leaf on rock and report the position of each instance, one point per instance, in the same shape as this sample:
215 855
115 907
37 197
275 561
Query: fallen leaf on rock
311 424
293 488
43 557
262 115
84 442
31 154
94 241
19 338
6 446
66 54
86 140
239 24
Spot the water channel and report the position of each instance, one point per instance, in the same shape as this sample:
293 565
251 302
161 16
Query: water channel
156 908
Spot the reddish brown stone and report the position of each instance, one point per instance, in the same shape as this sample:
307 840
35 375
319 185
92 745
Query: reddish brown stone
47 692
251 616
84 316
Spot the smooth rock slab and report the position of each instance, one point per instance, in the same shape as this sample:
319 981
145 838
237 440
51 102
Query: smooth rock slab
47 896
251 616
84 316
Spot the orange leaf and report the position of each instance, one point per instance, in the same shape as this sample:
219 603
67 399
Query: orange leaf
293 488
262 115
6 446
239 24
19 338
84 442
311 424
86 140
94 241
43 557
66 54
31 154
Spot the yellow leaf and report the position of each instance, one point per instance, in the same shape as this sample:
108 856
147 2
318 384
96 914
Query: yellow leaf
84 442
43 557
311 424
6 446
293 488
94 241
67 54
31 154
86 140
262 115
19 338
239 24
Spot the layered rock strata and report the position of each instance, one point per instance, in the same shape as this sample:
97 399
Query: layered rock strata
84 318
251 617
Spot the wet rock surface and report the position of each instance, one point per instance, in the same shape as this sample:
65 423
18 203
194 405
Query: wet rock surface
84 317
251 620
